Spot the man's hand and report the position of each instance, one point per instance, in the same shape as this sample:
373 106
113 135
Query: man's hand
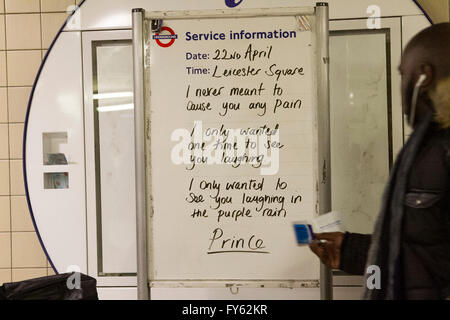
329 251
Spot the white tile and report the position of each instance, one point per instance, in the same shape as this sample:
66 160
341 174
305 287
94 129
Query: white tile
17 103
27 251
5 214
3 69
15 140
23 31
20 216
16 176
2 32
23 67
5 249
5 276
4 150
3 105
4 177
21 6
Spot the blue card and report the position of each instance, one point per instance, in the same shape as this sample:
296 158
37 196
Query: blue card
303 233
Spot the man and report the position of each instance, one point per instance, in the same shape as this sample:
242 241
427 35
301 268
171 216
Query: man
411 239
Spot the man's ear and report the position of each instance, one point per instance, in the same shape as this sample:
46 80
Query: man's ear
429 73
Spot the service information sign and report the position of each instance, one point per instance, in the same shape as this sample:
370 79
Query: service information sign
232 154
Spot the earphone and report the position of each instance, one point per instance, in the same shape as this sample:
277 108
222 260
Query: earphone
419 82
421 79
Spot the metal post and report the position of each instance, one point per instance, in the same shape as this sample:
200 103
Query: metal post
139 145
323 103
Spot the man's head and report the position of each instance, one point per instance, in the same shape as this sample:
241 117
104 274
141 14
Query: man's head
428 54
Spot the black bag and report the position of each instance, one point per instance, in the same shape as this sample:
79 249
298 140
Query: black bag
66 286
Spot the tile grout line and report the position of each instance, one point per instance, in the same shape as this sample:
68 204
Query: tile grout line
25 268
21 50
30 12
17 231
42 58
9 155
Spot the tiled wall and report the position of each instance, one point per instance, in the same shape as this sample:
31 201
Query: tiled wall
27 28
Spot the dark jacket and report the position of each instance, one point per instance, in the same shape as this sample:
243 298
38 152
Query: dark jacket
424 263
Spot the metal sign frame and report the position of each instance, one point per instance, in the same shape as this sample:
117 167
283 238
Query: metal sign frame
321 120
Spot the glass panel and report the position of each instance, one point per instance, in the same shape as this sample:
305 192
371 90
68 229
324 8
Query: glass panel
361 148
115 166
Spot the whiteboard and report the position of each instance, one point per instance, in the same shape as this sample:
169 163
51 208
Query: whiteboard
233 142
